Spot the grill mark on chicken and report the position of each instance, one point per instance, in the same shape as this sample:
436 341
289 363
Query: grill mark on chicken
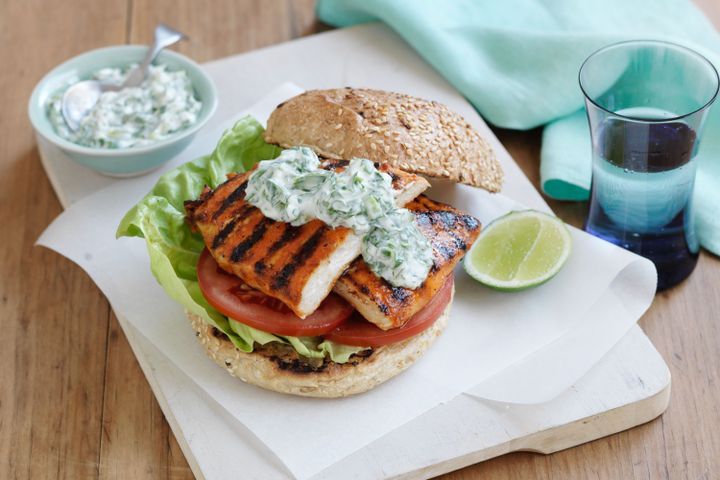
393 176
470 222
222 235
450 250
449 222
243 247
357 286
234 196
190 207
334 165
238 215
400 294
242 210
289 234
305 252
459 242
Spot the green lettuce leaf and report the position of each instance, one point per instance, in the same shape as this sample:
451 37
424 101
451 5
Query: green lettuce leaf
174 249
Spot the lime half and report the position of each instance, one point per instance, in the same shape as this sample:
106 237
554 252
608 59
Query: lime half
519 250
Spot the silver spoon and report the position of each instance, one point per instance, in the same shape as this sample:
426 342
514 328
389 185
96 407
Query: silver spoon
80 98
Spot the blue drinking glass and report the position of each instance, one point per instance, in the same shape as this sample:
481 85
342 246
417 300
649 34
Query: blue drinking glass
646 104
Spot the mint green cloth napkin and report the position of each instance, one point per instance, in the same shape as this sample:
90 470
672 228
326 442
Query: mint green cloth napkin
517 61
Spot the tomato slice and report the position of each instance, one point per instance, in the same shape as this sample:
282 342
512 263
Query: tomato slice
359 332
234 298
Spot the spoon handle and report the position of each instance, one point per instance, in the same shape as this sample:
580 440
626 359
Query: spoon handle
164 37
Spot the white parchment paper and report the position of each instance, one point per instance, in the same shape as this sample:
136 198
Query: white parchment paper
524 347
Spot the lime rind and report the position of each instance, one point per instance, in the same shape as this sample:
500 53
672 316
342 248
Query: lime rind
541 240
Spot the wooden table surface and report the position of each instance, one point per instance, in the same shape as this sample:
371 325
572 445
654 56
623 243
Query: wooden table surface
73 401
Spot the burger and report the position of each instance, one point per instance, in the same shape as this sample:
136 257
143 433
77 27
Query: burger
306 255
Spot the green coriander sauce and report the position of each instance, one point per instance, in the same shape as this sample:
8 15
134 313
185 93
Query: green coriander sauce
294 189
162 105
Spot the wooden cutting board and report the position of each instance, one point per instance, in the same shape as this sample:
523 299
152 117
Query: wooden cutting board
629 386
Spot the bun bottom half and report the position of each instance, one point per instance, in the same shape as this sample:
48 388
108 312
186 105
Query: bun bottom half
278 368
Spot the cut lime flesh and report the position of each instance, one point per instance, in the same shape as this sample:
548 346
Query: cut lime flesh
519 250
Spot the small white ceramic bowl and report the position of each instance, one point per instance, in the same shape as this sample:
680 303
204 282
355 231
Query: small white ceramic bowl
120 162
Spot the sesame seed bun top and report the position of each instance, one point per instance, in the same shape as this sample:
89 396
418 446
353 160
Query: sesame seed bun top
409 133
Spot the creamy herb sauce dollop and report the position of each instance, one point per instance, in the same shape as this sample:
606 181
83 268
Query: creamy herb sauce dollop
163 104
294 189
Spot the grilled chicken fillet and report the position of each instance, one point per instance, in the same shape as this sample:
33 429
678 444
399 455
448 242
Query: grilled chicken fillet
297 265
450 233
